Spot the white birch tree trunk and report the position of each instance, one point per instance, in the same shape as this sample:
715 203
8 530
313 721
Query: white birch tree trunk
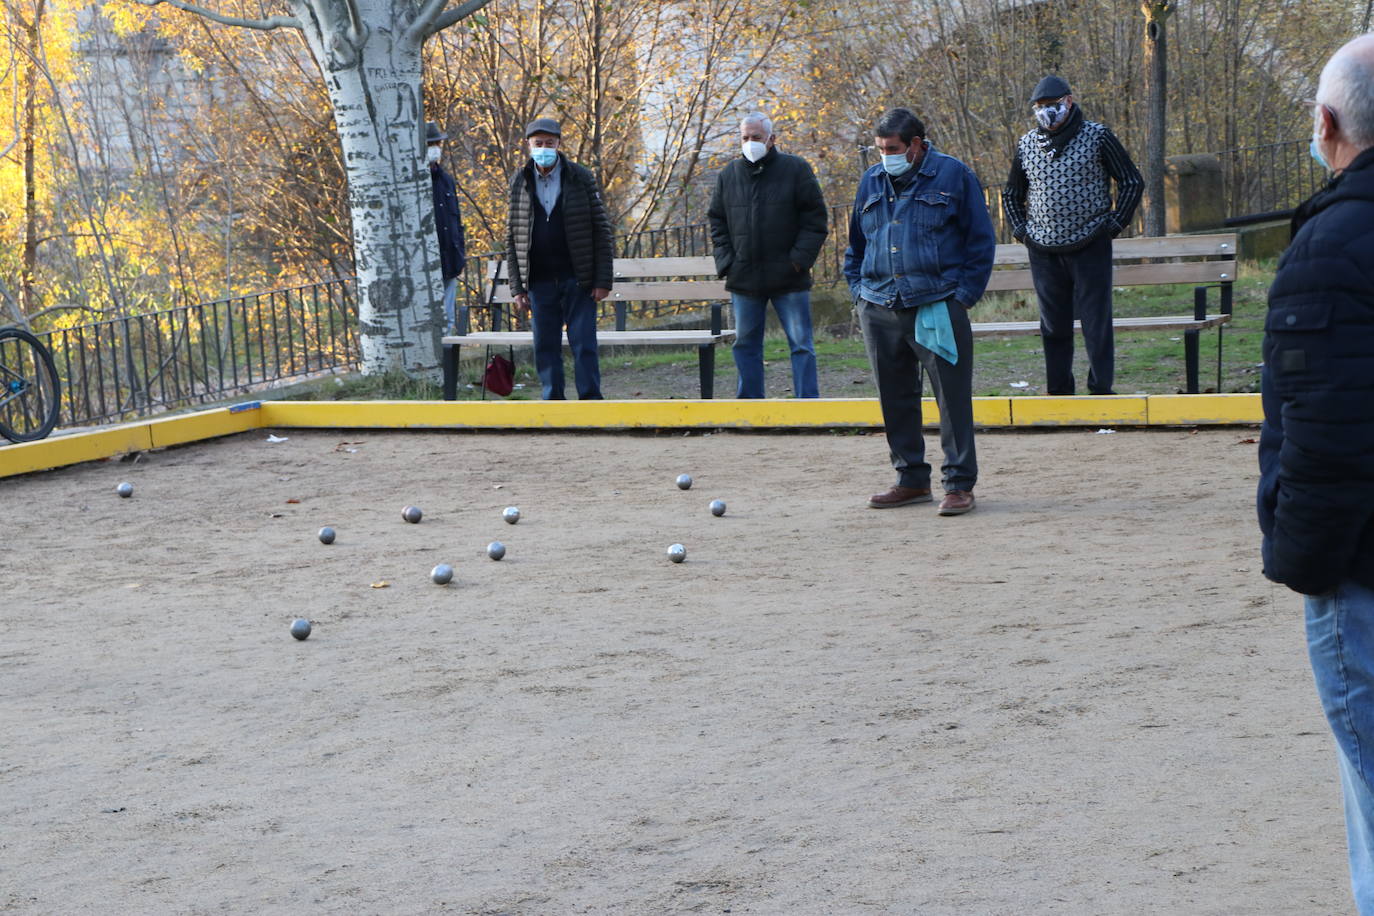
375 91
368 52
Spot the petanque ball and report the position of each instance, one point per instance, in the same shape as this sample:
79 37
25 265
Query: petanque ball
300 628
125 489
441 574
326 535
511 515
677 553
412 514
717 507
496 550
684 481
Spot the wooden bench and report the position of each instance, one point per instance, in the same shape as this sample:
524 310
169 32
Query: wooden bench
1206 260
636 280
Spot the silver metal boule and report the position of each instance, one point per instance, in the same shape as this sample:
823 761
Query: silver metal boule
496 550
511 515
412 514
441 574
717 507
125 489
677 553
326 535
684 481
300 628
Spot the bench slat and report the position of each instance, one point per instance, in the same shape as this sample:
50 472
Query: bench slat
648 291
1131 275
1157 323
1220 244
639 338
699 266
665 267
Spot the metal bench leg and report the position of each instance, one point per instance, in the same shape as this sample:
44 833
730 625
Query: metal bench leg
450 372
1190 353
706 361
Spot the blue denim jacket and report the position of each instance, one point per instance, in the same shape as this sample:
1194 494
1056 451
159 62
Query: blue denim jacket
932 242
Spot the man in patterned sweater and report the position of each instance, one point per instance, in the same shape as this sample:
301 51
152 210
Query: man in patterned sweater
1059 200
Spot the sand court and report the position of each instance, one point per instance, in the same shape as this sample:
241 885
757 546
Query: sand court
1081 698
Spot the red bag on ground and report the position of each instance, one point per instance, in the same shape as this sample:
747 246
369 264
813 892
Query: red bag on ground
499 377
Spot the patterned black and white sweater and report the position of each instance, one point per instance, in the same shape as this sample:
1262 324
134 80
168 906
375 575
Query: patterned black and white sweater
1058 195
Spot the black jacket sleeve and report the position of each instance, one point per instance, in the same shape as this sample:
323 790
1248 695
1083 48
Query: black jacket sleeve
813 220
1129 185
603 238
721 246
1014 197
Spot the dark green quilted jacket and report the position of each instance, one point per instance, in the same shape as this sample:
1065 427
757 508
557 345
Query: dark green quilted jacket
591 242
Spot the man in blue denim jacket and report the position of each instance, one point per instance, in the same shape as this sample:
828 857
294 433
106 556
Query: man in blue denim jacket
920 253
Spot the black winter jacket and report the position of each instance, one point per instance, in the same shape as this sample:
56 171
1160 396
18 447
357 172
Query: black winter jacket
1316 452
448 223
768 222
591 242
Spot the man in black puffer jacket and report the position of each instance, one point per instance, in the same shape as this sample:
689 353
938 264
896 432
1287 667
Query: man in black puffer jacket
768 221
560 254
1316 454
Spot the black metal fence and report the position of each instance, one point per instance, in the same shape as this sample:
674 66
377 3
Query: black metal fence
123 368
1268 181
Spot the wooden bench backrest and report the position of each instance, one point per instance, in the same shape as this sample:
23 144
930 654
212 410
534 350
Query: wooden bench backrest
641 280
1198 259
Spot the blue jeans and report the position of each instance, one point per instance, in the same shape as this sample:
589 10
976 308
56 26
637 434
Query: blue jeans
554 304
1340 641
450 303
794 313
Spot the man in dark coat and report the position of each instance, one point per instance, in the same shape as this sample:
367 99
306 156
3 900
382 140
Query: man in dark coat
1058 199
768 222
1316 453
560 253
448 221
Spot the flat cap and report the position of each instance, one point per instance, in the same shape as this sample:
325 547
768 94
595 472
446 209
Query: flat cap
543 126
1051 87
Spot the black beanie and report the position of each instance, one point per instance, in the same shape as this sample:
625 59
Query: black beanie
1051 87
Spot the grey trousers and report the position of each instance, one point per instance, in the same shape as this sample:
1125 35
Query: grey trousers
897 361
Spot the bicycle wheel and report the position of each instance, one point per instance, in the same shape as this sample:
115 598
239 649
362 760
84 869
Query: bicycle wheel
28 387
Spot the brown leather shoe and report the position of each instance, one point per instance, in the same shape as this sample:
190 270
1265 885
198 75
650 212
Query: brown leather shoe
899 496
956 502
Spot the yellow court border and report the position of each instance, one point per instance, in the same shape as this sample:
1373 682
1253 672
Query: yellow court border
823 413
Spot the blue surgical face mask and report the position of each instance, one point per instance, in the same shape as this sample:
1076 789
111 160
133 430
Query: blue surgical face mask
1317 154
544 156
896 164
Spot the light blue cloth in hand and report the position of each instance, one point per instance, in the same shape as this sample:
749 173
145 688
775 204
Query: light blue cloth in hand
935 333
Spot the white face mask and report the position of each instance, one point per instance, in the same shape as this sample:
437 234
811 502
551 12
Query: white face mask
753 150
432 154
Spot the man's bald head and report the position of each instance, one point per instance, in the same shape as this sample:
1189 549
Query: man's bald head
1347 90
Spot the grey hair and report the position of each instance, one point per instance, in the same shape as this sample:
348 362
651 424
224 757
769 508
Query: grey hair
759 118
1347 87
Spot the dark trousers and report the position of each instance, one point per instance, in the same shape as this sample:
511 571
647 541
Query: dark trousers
1069 286
897 360
553 305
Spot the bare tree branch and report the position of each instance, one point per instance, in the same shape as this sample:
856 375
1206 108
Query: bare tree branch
432 19
264 25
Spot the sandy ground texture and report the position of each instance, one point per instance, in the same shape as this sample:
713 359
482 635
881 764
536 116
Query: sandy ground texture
1081 698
